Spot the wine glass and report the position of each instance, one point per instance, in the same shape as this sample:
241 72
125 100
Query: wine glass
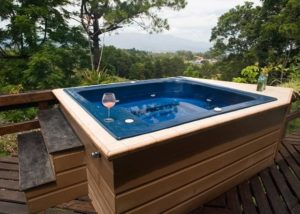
109 100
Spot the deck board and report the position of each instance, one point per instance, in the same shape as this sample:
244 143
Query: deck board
260 196
246 198
35 170
273 190
57 133
9 208
9 166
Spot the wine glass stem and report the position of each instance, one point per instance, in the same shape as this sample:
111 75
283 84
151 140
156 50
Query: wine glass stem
108 113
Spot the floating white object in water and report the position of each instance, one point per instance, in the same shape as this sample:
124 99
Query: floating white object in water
217 109
153 95
208 100
129 121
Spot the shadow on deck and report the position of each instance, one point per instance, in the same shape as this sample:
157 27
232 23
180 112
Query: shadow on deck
274 190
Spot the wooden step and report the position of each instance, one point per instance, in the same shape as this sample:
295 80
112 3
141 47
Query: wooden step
58 134
35 168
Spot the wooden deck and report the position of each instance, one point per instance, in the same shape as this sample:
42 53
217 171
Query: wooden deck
274 190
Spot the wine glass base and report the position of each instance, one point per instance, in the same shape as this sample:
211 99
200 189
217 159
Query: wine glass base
108 120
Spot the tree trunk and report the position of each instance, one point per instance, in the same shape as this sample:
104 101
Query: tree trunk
96 43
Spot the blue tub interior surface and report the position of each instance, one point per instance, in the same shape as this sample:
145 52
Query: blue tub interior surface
153 105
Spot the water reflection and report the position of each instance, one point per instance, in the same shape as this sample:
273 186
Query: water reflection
154 113
156 110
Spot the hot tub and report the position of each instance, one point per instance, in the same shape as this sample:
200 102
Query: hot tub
179 152
163 103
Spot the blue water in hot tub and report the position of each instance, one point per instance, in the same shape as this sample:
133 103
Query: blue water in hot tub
158 110
162 103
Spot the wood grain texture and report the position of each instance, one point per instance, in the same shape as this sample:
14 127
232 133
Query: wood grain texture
272 193
260 196
101 167
140 167
13 208
100 198
173 181
19 127
63 195
78 206
9 159
246 198
63 179
9 184
9 166
232 197
206 183
35 166
12 196
24 100
68 160
57 133
233 201
195 201
12 175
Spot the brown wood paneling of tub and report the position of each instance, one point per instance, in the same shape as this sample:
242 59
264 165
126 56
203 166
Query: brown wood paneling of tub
143 166
201 185
185 171
68 160
70 183
99 171
158 178
196 171
104 168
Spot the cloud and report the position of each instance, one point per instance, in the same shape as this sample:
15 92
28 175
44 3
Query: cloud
196 20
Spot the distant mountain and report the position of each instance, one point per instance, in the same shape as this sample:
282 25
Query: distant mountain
155 42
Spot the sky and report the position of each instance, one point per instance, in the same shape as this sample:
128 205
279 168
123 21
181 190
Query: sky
196 20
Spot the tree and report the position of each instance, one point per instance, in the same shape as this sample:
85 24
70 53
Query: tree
31 34
28 25
102 16
236 30
267 34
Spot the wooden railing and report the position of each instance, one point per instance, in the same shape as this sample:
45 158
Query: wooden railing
39 99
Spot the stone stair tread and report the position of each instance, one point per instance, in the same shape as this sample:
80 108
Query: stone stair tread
57 132
35 167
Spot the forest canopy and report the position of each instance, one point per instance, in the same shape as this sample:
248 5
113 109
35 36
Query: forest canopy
266 35
39 48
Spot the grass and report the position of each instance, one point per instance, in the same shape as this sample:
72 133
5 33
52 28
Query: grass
8 145
294 124
2 154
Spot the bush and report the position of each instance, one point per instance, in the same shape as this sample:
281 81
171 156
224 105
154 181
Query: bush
89 77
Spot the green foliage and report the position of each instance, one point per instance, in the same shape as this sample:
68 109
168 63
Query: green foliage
192 71
267 34
27 25
294 79
185 55
92 77
98 17
52 68
249 75
134 64
14 116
